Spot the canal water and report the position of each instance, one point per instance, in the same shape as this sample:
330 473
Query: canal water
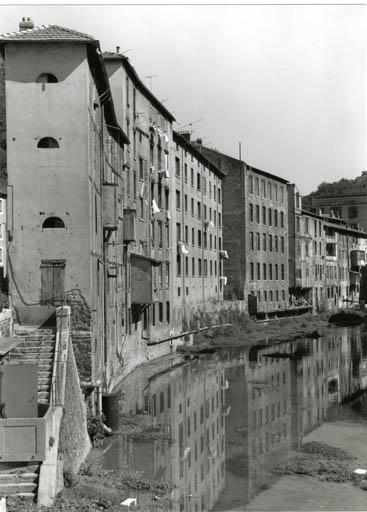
214 427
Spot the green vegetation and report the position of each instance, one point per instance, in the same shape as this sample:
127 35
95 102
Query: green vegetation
320 460
95 489
342 187
243 331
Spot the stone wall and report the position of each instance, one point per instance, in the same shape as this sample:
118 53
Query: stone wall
80 326
6 323
74 443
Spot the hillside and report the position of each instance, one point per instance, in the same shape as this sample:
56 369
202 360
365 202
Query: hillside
342 187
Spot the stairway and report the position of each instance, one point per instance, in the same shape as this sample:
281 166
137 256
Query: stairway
38 347
19 480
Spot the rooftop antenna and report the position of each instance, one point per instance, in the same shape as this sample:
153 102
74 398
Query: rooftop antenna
190 124
149 77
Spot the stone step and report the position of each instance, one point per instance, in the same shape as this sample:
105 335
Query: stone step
15 488
19 467
8 478
47 347
42 362
43 396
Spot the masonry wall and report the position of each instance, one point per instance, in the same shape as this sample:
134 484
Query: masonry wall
197 239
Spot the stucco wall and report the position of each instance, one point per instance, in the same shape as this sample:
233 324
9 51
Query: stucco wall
56 178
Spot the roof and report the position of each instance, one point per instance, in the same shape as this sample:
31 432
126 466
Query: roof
47 33
179 139
133 75
267 174
55 34
245 164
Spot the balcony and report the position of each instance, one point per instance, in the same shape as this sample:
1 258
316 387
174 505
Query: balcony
357 258
354 278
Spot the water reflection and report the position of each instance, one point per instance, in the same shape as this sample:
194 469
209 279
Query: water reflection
219 423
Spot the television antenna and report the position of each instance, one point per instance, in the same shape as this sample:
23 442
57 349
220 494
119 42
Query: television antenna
149 77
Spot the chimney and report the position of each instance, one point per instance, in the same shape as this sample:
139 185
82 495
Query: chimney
186 135
199 142
26 24
117 49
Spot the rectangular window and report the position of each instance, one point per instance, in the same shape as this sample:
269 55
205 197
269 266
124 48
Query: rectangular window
186 203
199 238
270 217
167 275
160 309
192 207
178 265
199 210
192 236
251 184
168 316
186 266
258 214
177 167
178 232
282 219
192 178
251 207
199 267
193 267
185 172
198 181
178 199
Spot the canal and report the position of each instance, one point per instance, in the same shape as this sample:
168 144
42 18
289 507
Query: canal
214 427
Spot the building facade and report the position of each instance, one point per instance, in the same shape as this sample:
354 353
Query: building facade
64 215
325 258
198 235
148 195
345 199
255 224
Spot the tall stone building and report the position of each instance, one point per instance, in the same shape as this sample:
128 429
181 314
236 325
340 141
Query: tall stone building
148 196
65 210
255 225
198 236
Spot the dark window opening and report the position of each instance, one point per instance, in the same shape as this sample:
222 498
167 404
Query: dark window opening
47 78
48 142
53 222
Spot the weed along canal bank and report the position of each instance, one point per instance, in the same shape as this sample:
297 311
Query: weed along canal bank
278 426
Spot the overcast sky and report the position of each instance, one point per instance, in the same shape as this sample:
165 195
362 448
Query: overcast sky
289 82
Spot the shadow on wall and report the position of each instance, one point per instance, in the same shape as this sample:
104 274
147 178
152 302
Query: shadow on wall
74 444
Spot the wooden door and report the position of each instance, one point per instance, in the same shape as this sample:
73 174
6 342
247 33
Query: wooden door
52 282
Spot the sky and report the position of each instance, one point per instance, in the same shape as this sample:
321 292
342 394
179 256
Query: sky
287 81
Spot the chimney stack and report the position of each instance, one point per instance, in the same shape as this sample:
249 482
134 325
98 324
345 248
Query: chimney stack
117 49
26 24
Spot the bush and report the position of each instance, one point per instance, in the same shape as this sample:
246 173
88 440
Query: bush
95 428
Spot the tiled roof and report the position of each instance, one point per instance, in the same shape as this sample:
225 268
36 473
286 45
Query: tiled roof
47 33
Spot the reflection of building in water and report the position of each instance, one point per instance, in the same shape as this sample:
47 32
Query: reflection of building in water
258 427
188 404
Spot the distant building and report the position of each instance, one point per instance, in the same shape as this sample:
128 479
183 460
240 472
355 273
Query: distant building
255 233
346 199
325 257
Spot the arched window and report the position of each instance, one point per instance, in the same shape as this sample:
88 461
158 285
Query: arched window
48 142
47 78
53 222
